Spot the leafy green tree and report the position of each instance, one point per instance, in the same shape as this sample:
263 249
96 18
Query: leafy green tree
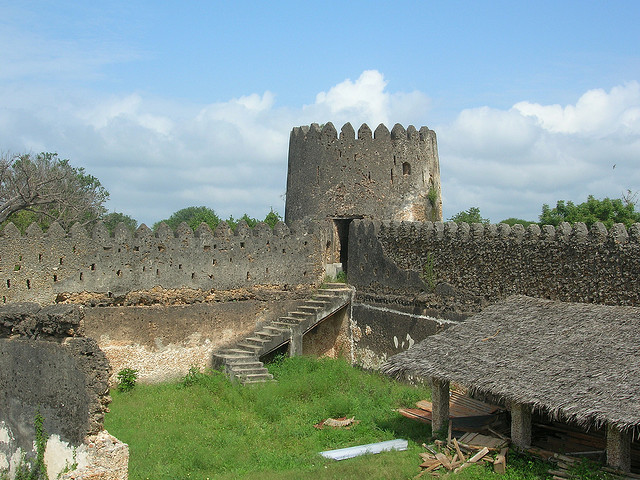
272 218
469 216
111 220
45 188
233 223
607 211
194 216
515 221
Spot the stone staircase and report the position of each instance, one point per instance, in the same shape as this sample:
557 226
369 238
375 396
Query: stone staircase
241 361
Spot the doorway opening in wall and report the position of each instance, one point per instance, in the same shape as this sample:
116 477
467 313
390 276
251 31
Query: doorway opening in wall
341 239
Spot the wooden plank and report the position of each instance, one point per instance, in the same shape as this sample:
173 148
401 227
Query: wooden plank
500 463
457 447
444 460
429 463
479 455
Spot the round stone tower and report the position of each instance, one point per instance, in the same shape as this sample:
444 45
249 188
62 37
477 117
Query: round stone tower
382 176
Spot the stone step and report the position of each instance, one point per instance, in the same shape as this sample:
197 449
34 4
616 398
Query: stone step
310 309
285 326
235 351
277 330
258 340
231 360
330 298
267 335
257 382
255 378
250 346
249 371
319 303
247 364
298 313
288 319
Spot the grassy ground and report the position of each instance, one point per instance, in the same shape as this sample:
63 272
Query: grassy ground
208 427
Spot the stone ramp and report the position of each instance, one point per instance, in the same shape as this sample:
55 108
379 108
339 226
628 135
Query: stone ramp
241 361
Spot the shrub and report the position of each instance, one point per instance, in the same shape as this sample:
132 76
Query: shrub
127 379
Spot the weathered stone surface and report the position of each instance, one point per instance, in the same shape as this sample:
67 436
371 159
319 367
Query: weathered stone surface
43 268
102 457
46 368
387 176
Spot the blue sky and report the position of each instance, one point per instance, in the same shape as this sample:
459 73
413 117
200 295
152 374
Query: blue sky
172 104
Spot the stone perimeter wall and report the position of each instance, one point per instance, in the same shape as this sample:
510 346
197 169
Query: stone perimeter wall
40 266
48 367
476 265
414 278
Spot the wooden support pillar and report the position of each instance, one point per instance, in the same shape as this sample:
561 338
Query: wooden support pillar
618 449
295 343
521 425
440 404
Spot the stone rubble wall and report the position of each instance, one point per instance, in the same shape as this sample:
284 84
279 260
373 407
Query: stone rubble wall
378 175
424 275
43 267
49 368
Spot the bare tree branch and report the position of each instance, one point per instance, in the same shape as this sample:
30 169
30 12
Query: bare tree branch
49 189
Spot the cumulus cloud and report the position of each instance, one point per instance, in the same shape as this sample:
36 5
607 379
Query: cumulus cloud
595 113
510 162
366 100
156 155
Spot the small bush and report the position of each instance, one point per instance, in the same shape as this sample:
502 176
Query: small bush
193 376
127 379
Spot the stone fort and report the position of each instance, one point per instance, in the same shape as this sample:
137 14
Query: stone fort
368 204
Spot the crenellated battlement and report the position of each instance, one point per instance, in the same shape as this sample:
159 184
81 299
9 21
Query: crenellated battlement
476 264
578 233
378 175
329 133
37 266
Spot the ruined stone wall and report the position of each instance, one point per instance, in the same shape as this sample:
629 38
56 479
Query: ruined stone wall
427 274
40 266
48 367
384 176
466 267
163 341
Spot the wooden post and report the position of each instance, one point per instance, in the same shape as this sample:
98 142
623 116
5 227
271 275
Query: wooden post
440 404
618 449
521 425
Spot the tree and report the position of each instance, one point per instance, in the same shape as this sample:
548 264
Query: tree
233 223
194 216
111 220
44 188
272 218
469 216
607 211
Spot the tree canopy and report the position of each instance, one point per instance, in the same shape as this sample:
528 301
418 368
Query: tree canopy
111 220
608 211
44 188
194 216
469 216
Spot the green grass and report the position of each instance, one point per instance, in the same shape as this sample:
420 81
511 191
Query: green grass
207 427
215 429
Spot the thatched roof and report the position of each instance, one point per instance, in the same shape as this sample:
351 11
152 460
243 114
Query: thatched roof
578 362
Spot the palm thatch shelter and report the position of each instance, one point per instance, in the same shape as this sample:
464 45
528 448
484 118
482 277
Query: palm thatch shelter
574 362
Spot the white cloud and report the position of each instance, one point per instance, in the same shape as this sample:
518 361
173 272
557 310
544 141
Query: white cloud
596 112
510 162
366 101
158 155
